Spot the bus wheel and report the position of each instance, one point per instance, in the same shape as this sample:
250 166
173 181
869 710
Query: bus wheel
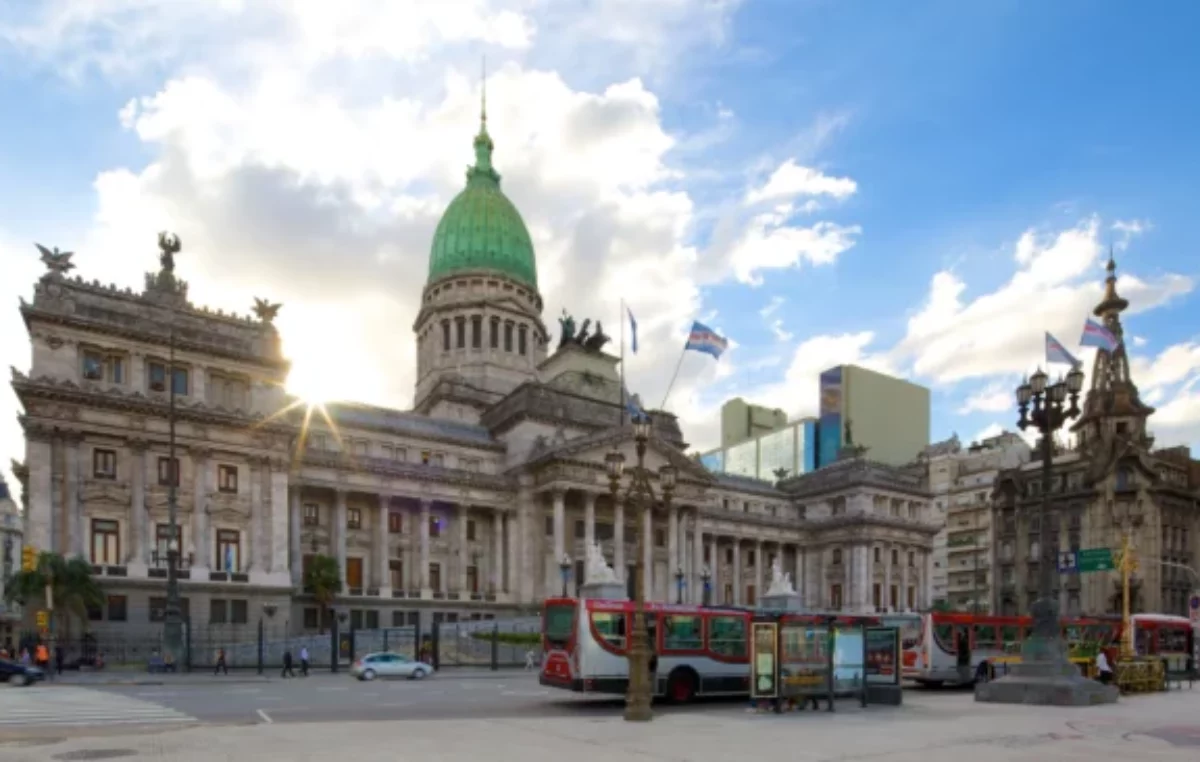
681 686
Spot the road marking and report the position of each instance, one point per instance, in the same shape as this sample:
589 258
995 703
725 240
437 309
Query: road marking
333 688
526 694
265 717
67 706
246 690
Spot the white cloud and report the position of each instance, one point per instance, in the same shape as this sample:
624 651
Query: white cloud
993 398
769 243
791 180
772 307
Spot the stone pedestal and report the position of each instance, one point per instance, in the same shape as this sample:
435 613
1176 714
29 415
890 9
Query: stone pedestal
1045 677
781 602
610 591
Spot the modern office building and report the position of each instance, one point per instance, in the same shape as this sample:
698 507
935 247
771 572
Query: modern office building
887 415
788 451
741 421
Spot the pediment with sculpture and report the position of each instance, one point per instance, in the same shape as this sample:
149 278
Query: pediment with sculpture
96 491
227 507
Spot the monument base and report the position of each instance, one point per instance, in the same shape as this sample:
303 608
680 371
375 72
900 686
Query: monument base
612 591
1045 677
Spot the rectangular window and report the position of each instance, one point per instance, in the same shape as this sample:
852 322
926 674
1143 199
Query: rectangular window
356 619
218 611
106 542
104 464
395 522
611 627
549 526
522 339
354 573
353 518
445 335
227 478
311 620
494 335
476 332
398 619
371 620
470 530
180 380
312 514
894 598
472 579
156 375
158 609
835 597
162 541
229 550
435 526
660 538
239 612
118 608
580 530
508 337
460 333
168 472
682 633
93 366
912 598
396 574
895 557
727 636
751 595
435 576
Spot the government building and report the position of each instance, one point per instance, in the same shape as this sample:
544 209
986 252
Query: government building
479 502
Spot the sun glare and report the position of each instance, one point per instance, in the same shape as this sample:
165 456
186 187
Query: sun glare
330 359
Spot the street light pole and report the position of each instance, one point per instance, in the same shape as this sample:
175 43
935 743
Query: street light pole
640 493
172 615
706 578
564 568
1044 408
679 575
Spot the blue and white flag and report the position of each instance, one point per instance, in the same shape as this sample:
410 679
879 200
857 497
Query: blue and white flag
706 340
1057 353
1096 335
632 331
633 406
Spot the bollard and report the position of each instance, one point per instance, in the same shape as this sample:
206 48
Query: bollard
260 645
495 647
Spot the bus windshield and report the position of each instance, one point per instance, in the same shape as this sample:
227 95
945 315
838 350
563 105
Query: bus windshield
560 618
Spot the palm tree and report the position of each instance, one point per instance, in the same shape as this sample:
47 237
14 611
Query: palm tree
323 579
72 589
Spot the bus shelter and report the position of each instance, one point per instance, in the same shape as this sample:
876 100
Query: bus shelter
798 660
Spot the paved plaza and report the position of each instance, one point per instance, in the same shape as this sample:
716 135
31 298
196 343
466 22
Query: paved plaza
502 721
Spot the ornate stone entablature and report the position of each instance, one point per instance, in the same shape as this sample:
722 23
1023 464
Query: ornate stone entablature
391 469
855 473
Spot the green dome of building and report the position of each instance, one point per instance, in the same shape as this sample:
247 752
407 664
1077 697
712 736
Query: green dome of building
481 229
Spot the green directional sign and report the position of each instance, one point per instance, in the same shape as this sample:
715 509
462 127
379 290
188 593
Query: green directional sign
1094 559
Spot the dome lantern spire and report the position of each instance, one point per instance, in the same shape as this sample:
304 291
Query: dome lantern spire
483 172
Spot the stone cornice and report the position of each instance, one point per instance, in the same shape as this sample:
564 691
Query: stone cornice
853 474
139 404
869 521
400 470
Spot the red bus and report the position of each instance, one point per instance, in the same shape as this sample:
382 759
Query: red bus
701 650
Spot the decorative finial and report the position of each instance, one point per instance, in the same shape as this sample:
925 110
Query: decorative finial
265 310
1112 264
483 94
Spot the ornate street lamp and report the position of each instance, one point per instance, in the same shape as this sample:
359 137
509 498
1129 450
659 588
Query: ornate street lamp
564 568
706 578
640 495
679 575
169 244
1044 407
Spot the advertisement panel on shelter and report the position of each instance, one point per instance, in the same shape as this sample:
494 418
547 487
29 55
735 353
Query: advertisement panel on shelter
803 659
848 667
883 655
764 660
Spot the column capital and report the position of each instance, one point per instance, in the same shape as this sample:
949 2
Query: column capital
589 497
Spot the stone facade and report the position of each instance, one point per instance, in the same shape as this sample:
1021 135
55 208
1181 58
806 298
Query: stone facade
1111 483
10 561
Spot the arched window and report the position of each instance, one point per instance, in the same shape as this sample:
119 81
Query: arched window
476 332
508 337
460 330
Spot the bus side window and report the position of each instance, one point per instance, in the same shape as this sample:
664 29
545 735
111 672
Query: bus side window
682 633
944 634
611 628
985 637
727 635
1010 637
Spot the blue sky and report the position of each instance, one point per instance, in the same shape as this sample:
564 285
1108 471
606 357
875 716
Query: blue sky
956 170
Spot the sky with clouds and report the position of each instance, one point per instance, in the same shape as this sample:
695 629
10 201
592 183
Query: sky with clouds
923 188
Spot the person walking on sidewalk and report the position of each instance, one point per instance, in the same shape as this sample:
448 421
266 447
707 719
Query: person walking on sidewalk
287 664
304 661
221 663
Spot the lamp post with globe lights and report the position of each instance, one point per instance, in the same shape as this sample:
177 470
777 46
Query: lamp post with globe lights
1046 408
639 493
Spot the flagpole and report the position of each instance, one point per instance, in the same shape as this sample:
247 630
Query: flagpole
621 319
674 376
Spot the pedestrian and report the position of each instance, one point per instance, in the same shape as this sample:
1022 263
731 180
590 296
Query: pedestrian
25 660
58 658
42 657
529 660
221 663
1103 667
304 661
287 664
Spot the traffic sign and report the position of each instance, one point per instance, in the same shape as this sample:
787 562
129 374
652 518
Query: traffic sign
1067 562
1095 559
43 619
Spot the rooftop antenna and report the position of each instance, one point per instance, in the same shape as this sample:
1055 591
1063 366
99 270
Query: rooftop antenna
483 91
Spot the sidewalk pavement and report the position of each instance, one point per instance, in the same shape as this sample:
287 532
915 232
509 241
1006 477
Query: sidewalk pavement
930 727
250 676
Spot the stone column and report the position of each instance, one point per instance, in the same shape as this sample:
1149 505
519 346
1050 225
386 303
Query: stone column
927 579
76 540
279 518
798 574
497 573
383 573
697 561
847 577
203 549
423 551
464 513
254 560
560 519
589 526
714 568
739 594
760 560
619 539
673 555
39 516
338 534
903 580
294 540
887 579
137 506
509 555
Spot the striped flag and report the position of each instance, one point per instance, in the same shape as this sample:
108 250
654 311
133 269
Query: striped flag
1057 353
632 331
706 340
1096 335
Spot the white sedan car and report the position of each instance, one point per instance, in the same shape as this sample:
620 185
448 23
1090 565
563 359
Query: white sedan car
372 666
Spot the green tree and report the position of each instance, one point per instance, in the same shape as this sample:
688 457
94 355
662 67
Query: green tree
71 584
323 580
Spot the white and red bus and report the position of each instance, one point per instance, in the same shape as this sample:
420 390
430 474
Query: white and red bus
701 650
931 641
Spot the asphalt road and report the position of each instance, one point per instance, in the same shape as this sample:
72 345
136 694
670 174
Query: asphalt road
326 698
